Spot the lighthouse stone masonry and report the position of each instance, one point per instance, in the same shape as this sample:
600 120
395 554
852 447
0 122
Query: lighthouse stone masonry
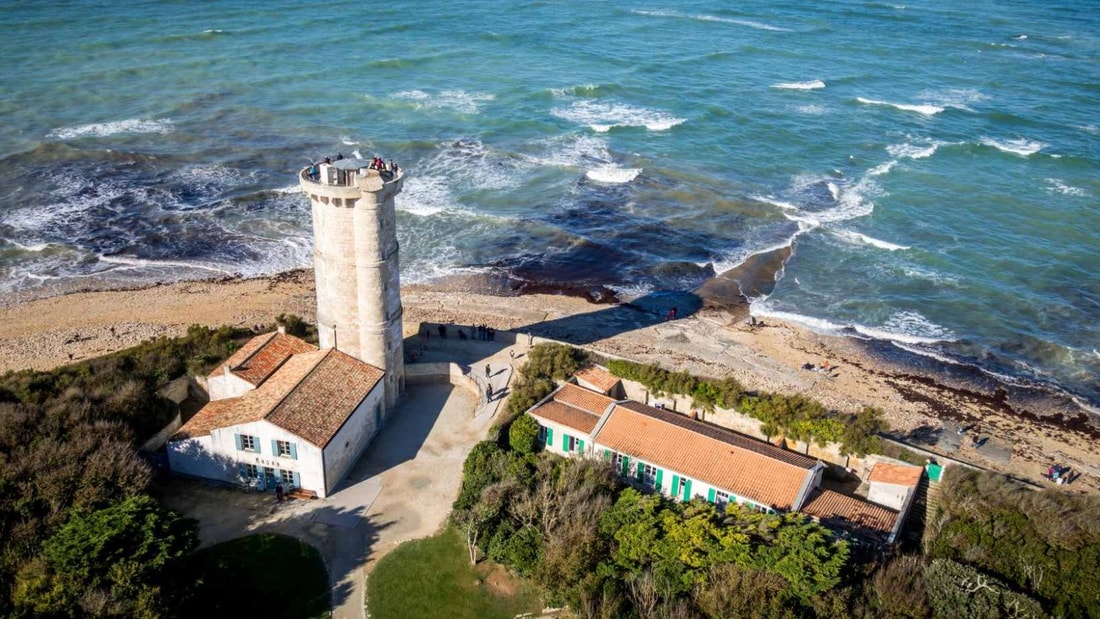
355 261
283 411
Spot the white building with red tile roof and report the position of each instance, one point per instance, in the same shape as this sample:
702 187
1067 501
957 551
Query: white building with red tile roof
683 458
305 419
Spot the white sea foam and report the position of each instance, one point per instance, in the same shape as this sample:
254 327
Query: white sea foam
612 174
102 130
881 169
906 327
347 141
131 262
426 195
288 190
33 247
858 237
713 18
813 85
356 154
811 109
1059 186
914 151
602 116
957 98
458 100
773 201
1020 146
470 164
925 109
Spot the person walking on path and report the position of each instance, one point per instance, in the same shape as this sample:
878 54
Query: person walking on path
488 393
279 492
488 371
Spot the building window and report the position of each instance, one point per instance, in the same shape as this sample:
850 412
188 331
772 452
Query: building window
619 462
248 443
286 476
570 443
282 449
721 499
649 475
251 471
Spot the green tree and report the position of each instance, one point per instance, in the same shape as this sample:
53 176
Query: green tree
959 591
861 433
106 562
523 435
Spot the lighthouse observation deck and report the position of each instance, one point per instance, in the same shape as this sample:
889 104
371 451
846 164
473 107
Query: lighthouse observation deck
352 175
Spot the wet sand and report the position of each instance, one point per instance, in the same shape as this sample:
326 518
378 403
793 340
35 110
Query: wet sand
924 401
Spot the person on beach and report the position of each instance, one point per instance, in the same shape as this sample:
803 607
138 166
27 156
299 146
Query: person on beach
279 492
488 393
488 371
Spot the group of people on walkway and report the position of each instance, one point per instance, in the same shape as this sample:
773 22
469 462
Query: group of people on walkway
376 163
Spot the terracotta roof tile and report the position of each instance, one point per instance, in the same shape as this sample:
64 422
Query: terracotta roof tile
899 474
579 397
318 407
720 457
851 513
567 416
601 378
310 395
262 360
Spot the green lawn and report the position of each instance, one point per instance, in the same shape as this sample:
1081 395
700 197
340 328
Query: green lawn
263 575
432 578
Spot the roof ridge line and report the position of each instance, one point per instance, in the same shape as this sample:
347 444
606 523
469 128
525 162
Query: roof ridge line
255 352
298 383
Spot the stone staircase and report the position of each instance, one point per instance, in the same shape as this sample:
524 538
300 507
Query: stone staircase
925 502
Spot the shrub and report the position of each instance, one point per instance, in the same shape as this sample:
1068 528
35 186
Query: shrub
962 592
523 435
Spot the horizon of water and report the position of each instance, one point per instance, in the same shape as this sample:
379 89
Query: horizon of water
933 168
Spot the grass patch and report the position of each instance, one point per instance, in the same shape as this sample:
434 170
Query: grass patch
432 577
264 575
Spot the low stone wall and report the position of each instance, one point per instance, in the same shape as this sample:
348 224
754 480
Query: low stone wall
441 372
160 438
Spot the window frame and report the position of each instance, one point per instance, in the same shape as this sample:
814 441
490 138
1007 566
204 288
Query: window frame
251 471
281 452
250 443
649 475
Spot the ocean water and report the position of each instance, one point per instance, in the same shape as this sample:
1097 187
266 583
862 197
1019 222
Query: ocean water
934 168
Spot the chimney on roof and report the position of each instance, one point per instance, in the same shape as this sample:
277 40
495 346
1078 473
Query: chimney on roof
281 329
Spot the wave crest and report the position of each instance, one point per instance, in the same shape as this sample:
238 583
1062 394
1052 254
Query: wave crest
925 109
812 85
102 130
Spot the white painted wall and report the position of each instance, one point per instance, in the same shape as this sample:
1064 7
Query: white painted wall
308 465
196 457
352 439
559 431
227 385
893 496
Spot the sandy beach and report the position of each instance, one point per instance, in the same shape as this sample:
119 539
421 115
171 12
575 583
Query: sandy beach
924 404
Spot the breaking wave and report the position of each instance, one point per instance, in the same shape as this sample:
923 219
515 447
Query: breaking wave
602 117
1020 146
102 130
813 85
925 109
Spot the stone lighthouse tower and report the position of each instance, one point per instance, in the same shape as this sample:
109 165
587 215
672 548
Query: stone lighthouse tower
356 266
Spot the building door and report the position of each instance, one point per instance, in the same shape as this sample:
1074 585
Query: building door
270 479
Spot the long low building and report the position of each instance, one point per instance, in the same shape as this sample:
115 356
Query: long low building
683 458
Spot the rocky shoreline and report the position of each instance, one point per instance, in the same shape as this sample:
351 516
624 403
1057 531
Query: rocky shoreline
1024 431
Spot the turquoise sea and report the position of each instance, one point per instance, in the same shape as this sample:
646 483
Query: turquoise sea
933 164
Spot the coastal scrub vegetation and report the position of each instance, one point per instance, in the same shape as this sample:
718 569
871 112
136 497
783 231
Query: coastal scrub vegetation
608 550
794 416
1043 543
79 534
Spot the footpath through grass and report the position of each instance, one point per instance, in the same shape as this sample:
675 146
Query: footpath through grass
264 575
432 578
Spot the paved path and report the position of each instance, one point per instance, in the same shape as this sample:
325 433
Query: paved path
401 489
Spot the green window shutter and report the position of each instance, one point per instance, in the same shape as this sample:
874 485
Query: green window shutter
626 466
639 472
549 437
237 437
293 451
659 475
687 490
580 445
675 489
710 495
607 455
564 442
274 447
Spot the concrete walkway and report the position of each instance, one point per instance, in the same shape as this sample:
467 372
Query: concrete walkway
401 489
